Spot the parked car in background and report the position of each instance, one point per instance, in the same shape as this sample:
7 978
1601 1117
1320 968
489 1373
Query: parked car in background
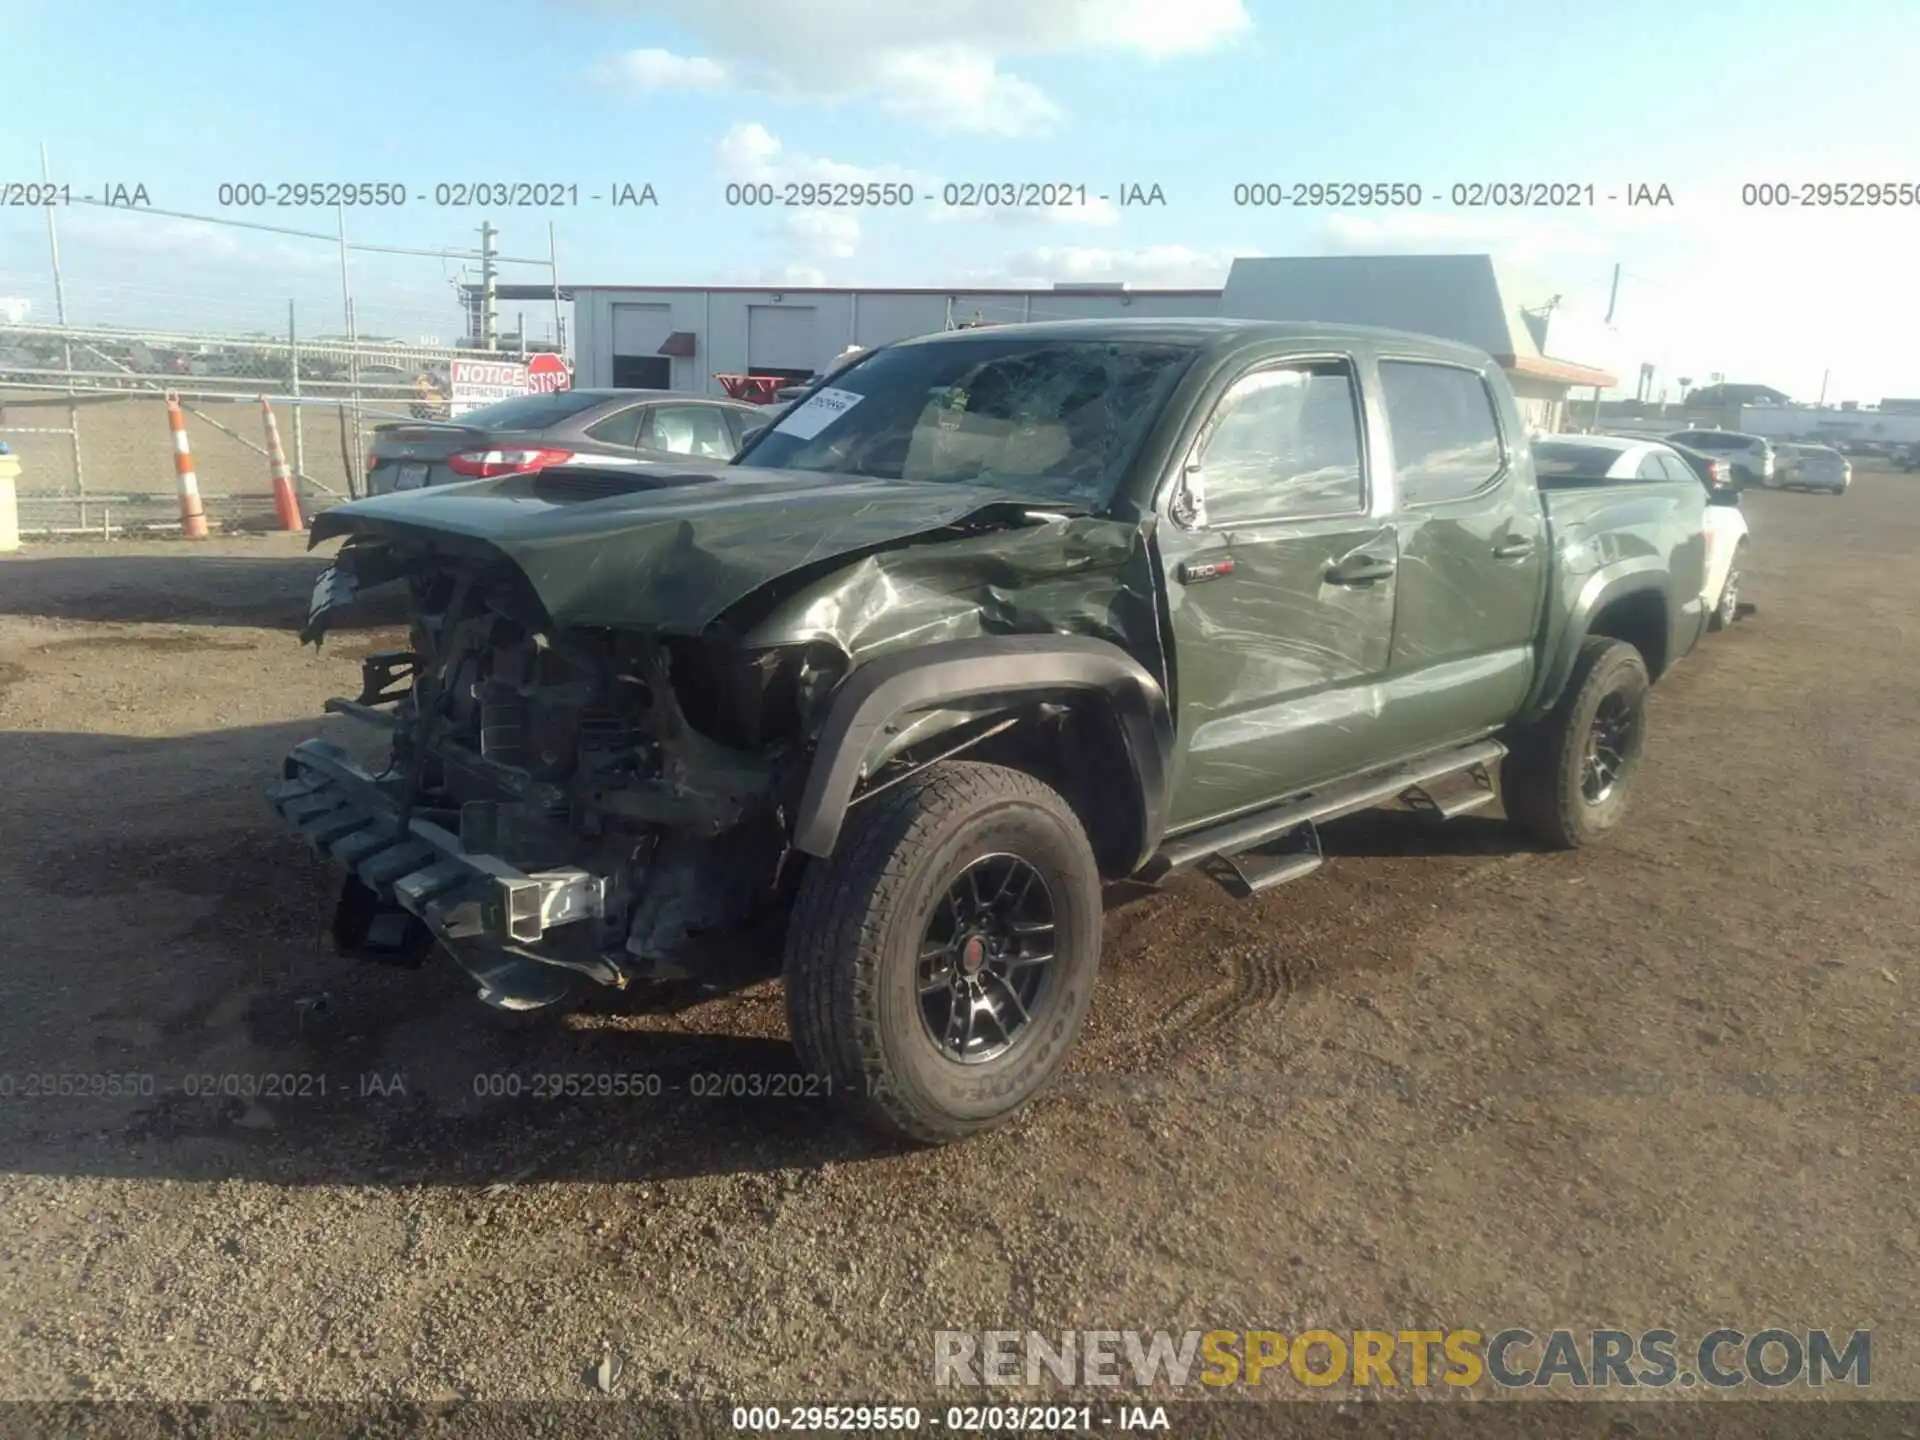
1577 462
1751 456
1814 467
564 427
1715 471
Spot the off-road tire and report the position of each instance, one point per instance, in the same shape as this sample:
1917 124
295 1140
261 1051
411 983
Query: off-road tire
1540 780
859 923
1727 609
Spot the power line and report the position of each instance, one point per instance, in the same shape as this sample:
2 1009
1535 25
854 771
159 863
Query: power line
302 234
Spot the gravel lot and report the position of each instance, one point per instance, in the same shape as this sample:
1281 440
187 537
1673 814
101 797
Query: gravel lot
1446 1081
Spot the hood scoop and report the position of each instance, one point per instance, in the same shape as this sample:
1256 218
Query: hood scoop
573 483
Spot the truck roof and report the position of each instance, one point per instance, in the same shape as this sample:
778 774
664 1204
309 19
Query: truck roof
1213 333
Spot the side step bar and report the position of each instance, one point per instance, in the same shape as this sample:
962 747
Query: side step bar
1226 851
1443 802
1251 871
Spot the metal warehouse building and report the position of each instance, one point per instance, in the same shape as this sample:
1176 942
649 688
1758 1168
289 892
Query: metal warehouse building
648 336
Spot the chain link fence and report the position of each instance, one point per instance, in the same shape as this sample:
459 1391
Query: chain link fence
84 410
337 333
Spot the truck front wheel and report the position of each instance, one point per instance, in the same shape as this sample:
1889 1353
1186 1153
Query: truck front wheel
1566 779
939 965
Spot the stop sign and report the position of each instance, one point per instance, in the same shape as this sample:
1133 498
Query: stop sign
547 373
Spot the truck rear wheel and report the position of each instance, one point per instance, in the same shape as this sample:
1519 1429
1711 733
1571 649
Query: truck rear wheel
1567 779
939 965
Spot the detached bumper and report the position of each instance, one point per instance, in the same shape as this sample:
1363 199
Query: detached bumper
344 813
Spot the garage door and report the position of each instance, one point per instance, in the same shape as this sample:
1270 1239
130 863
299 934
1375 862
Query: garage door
640 329
782 337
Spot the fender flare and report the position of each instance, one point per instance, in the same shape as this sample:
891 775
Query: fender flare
880 691
1601 589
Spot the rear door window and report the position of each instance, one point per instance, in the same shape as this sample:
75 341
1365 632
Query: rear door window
1446 434
697 430
1678 469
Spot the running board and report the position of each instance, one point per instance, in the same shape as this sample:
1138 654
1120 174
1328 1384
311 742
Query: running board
1235 837
1248 873
1443 801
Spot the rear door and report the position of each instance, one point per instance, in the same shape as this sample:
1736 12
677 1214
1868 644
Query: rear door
1280 590
1473 554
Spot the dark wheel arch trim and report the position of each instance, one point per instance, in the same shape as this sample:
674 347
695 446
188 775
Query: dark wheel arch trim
1017 666
1604 588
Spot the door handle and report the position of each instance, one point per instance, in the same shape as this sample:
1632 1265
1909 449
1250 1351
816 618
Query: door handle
1360 570
1513 548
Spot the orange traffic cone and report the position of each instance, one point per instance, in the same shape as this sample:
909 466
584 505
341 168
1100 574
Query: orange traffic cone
193 520
286 504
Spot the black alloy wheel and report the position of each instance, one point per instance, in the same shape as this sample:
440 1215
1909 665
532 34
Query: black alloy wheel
984 958
1613 741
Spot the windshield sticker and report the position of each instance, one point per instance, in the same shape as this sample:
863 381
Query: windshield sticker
821 409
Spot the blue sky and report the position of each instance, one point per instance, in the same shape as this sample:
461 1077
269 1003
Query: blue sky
1191 95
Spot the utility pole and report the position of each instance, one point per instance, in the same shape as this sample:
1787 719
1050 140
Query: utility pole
489 288
1825 375
553 273
1613 295
66 345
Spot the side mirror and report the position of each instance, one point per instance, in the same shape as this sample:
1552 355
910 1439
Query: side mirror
1189 507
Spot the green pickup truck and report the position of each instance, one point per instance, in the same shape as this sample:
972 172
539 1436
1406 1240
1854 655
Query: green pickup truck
985 619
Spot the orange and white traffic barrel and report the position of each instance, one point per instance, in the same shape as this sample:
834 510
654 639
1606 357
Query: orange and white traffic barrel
193 519
286 504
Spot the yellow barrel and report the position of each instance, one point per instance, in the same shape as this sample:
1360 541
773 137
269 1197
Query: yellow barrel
9 501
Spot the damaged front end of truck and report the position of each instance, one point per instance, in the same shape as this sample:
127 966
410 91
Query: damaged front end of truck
601 730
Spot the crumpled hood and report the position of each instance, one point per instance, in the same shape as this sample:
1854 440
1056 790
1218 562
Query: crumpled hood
672 553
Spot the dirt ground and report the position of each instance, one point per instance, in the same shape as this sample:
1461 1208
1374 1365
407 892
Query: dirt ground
1447 1081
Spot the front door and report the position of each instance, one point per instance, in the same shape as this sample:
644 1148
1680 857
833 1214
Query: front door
1280 588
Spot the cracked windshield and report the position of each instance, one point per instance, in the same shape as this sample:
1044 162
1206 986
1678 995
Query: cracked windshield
1056 420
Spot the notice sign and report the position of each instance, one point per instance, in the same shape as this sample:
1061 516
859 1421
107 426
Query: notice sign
817 412
482 382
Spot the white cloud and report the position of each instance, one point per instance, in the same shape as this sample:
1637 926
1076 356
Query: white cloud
751 152
1164 267
651 70
827 234
797 277
939 66
955 88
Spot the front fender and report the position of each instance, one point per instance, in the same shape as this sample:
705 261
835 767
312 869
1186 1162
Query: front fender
1019 667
